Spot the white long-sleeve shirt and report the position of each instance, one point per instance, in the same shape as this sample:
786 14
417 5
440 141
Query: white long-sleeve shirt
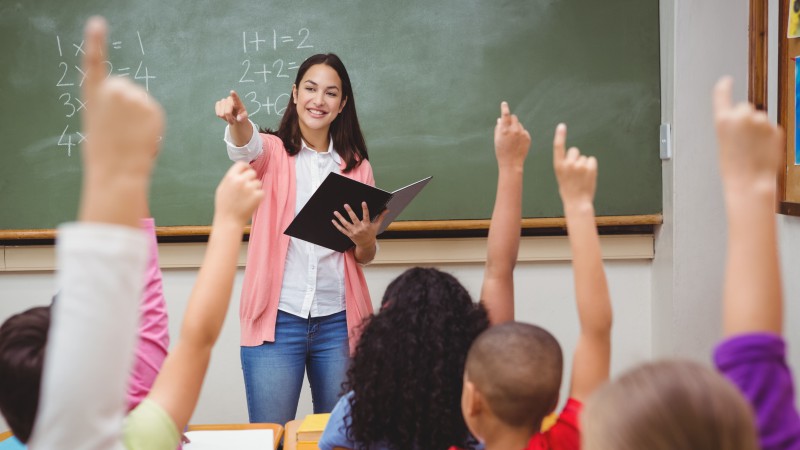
313 278
92 337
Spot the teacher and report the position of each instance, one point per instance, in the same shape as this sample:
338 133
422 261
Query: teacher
301 303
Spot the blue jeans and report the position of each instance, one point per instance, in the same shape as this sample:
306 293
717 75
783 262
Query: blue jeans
273 371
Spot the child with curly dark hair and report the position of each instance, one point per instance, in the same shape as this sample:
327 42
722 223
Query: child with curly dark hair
405 379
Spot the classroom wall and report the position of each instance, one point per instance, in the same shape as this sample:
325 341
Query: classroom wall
700 42
544 295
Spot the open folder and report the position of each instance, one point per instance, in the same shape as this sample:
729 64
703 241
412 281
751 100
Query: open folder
313 222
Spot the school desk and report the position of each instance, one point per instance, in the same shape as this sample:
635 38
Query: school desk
290 443
277 432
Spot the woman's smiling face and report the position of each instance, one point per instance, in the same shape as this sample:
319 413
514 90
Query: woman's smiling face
318 98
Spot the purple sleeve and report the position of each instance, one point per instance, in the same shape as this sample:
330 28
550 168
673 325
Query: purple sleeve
153 340
756 364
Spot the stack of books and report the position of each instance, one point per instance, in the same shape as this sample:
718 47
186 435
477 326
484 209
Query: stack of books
310 431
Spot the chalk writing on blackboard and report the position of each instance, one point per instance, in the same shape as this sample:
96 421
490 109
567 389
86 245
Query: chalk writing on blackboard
71 77
271 59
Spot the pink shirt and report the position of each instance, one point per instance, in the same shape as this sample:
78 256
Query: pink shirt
268 247
153 337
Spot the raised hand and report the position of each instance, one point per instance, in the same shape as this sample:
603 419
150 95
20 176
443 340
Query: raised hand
511 144
749 154
576 173
123 125
511 139
577 179
178 385
122 122
749 145
238 194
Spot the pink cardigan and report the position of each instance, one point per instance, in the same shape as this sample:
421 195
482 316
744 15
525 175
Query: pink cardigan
266 255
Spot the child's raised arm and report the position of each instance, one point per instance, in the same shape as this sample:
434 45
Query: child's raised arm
100 262
577 177
511 143
753 355
749 153
177 387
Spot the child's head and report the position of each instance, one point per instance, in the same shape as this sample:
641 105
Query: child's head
407 371
22 347
512 375
322 99
669 405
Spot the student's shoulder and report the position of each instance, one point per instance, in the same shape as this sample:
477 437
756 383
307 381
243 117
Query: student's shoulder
564 433
335 433
149 426
342 407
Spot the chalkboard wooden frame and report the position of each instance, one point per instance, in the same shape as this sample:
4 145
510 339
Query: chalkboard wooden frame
397 227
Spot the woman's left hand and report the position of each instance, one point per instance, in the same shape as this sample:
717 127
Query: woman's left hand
361 231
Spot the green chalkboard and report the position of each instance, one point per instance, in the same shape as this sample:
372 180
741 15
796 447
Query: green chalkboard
428 79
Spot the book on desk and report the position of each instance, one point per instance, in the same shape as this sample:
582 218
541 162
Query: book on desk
310 431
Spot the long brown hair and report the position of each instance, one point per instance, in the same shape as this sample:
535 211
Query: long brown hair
669 405
345 130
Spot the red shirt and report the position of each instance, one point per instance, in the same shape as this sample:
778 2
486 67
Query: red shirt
563 435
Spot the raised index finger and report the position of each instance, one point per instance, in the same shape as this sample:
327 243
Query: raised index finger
559 143
95 37
722 95
505 113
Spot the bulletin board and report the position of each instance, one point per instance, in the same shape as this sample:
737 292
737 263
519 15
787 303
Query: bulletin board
788 103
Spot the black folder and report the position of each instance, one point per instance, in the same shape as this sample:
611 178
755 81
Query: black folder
313 222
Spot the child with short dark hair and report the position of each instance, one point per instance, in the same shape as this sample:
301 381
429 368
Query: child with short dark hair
513 371
515 368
